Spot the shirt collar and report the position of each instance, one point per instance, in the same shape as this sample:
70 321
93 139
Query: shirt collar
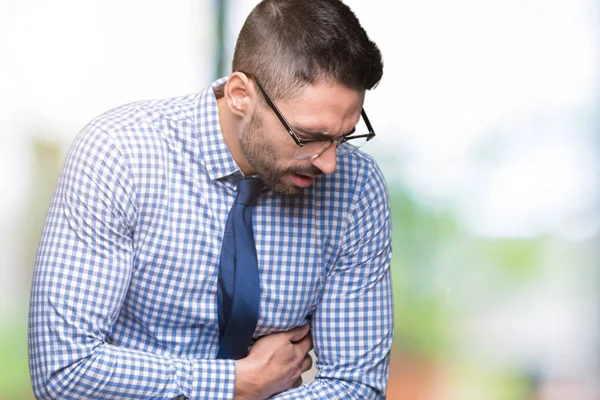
215 154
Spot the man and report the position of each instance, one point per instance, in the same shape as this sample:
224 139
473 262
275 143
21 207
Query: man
130 296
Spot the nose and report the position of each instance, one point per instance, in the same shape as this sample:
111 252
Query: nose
326 161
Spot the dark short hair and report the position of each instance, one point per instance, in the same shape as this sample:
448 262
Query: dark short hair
290 44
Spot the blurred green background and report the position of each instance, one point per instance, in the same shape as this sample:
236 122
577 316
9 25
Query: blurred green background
488 122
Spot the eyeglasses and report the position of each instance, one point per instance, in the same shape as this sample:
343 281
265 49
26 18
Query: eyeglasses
313 148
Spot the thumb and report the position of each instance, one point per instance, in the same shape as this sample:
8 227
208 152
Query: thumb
298 333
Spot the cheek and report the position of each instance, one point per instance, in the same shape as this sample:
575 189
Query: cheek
278 138
281 152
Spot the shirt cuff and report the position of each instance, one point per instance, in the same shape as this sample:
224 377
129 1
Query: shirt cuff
206 379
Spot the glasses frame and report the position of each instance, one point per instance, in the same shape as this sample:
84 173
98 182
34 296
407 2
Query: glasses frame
303 142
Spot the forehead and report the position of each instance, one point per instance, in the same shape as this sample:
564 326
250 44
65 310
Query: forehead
329 107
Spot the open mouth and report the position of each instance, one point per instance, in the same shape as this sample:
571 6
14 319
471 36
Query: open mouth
302 180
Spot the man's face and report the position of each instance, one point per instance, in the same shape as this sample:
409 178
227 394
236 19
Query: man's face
324 108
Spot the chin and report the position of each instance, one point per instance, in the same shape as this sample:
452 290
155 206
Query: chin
282 184
286 190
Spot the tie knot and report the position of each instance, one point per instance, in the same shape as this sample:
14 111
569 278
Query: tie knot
248 191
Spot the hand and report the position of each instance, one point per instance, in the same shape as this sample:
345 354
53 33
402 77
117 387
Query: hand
274 364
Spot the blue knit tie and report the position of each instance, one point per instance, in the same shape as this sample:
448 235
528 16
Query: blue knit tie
239 286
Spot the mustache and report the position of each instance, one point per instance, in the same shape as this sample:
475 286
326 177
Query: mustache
308 170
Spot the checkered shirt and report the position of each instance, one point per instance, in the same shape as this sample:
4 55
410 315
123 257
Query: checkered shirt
124 295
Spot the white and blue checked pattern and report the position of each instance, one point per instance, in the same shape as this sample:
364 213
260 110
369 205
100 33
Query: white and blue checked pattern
124 298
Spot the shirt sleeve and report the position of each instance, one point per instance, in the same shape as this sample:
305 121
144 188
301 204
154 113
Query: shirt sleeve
83 269
353 325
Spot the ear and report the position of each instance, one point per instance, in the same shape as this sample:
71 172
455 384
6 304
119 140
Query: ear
240 94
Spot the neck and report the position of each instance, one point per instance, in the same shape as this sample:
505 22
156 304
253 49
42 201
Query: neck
231 126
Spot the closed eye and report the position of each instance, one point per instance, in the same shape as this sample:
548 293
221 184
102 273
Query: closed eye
310 135
313 135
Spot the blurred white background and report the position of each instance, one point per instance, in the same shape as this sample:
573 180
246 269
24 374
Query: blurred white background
488 132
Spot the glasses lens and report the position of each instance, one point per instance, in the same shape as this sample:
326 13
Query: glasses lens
361 129
312 149
350 146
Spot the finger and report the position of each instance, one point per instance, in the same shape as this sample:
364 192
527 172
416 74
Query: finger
298 333
298 383
305 344
307 363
